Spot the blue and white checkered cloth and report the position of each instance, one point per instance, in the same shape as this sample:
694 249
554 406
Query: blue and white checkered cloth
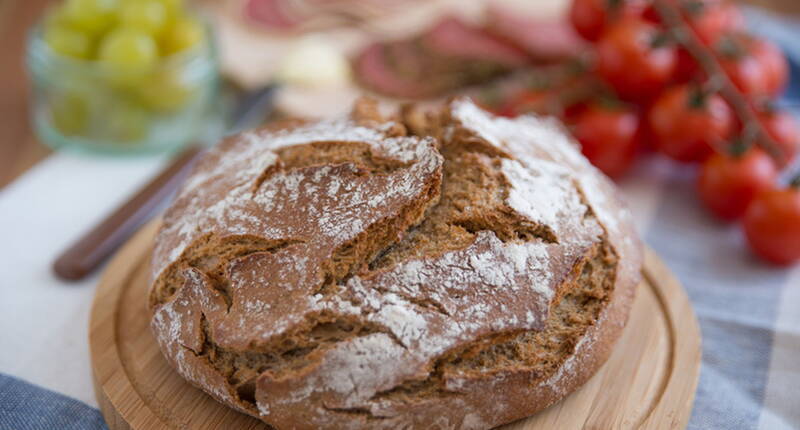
749 313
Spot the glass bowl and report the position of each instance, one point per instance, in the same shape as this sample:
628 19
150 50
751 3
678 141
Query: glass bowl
83 105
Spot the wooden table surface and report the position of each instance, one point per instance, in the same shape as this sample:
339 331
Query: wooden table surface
19 149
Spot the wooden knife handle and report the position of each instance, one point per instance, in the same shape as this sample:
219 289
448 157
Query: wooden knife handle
95 246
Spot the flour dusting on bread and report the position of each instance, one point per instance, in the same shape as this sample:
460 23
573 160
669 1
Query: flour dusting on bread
368 272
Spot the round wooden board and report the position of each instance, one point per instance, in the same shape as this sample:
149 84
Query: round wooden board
649 381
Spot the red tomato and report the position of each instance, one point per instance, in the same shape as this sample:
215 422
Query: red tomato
608 137
686 125
710 19
773 60
772 225
629 60
572 112
756 66
688 69
591 17
651 14
784 129
727 184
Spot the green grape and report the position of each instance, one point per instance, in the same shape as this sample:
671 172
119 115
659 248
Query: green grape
67 41
69 113
128 54
149 16
166 91
91 16
173 7
181 34
125 122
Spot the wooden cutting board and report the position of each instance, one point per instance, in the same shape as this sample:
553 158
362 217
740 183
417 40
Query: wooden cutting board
649 381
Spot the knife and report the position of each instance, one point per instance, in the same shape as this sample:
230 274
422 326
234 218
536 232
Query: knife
96 245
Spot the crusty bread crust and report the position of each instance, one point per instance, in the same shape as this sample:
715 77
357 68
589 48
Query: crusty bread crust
430 270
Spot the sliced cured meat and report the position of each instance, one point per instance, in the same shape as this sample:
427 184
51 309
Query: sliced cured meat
271 14
452 37
407 59
374 72
452 55
542 40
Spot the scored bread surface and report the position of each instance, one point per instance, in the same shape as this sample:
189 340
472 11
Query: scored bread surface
443 269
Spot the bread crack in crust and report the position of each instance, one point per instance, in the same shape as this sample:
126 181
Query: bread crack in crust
441 269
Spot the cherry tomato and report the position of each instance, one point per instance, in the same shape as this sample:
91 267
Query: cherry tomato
591 17
772 225
784 129
712 19
573 111
631 58
687 69
686 123
608 137
651 14
756 66
773 60
728 183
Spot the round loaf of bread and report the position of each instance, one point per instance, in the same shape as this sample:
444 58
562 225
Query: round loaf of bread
419 270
